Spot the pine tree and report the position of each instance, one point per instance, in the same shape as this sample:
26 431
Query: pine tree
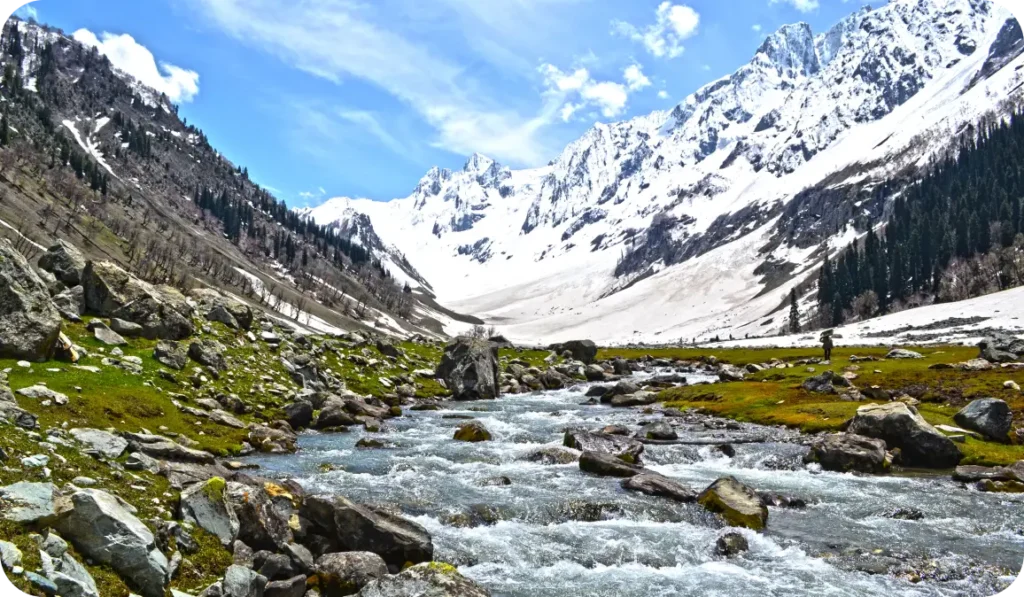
794 313
5 131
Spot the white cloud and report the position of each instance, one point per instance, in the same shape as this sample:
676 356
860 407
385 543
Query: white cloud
663 94
368 121
674 23
607 96
635 77
126 54
28 12
756 27
801 5
341 39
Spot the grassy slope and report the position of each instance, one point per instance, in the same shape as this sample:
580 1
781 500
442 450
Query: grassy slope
774 397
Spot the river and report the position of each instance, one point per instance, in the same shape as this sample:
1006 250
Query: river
558 532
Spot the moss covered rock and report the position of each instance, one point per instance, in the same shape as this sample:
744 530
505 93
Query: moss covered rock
736 503
473 431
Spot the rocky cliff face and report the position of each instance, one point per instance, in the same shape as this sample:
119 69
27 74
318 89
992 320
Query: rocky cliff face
766 164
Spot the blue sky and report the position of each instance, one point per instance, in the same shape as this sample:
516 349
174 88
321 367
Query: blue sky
324 98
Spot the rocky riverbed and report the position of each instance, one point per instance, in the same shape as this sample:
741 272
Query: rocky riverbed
517 514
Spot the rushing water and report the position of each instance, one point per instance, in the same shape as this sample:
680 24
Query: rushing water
557 532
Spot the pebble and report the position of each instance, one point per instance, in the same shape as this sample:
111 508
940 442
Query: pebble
35 461
25 364
1011 385
83 481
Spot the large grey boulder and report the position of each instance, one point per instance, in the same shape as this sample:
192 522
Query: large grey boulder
261 525
900 426
292 587
737 504
215 306
347 526
70 577
606 465
432 579
826 383
70 303
469 367
162 311
581 350
102 442
848 452
206 505
29 503
659 485
208 352
29 323
159 446
637 399
126 328
902 353
625 449
104 334
170 354
346 573
240 581
65 262
102 529
990 417
299 414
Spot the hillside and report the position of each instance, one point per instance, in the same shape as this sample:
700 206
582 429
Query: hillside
92 157
699 221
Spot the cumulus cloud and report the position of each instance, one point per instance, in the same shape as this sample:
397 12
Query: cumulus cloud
635 77
609 97
663 94
126 54
673 24
801 5
756 27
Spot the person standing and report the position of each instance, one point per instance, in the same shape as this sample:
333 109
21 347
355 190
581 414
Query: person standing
826 344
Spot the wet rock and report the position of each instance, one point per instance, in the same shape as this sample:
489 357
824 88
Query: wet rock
989 416
469 368
346 526
64 261
102 442
209 353
727 450
606 465
334 414
594 373
615 430
29 323
551 456
474 431
637 399
29 503
848 452
367 442
103 530
580 350
731 544
624 448
621 388
901 353
206 505
597 391
971 473
431 579
553 380
343 574
500 481
659 431
659 485
904 514
900 426
737 504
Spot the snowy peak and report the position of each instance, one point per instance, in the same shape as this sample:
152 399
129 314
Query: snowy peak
791 50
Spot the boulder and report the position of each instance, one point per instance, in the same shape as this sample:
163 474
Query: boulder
279 439
70 577
170 354
473 431
104 334
104 531
260 524
298 414
65 262
736 503
469 368
637 399
594 373
29 323
43 393
900 426
334 413
658 431
240 581
848 452
388 349
606 465
826 383
347 526
728 372
551 456
292 587
902 353
216 306
731 544
209 353
999 350
70 303
162 311
581 350
29 503
102 442
344 574
206 505
432 579
990 417
553 380
167 449
623 387
626 449
125 328
659 485
975 365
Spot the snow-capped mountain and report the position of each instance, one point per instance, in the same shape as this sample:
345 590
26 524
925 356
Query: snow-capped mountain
699 220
